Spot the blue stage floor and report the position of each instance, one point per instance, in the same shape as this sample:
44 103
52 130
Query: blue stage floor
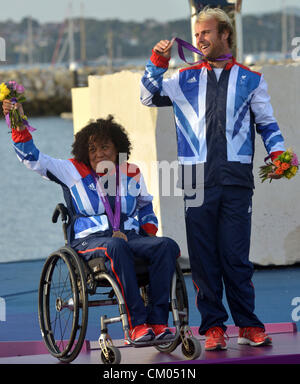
275 290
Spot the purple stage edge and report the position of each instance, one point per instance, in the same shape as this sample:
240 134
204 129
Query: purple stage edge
289 356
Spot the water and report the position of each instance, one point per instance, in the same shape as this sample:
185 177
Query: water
27 201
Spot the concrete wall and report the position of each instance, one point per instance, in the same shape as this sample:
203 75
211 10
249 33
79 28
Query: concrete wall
276 208
276 211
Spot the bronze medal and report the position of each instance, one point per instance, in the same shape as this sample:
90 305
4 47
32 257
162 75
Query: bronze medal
119 234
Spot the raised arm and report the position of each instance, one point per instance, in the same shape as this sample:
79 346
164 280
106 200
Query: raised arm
155 91
58 170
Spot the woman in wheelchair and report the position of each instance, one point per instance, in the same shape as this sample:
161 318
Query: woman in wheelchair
110 208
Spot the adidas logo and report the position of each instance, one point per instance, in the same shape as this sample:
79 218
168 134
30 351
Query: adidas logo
92 187
192 80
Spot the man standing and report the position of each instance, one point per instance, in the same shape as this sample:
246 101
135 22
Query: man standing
217 105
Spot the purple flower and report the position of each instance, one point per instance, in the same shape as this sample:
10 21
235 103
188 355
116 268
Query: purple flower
294 160
20 88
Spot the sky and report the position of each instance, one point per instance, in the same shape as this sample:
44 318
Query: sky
136 10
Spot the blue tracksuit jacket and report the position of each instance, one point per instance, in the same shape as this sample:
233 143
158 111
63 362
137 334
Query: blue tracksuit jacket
215 120
82 198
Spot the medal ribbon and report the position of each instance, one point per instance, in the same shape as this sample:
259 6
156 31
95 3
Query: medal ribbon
114 219
184 44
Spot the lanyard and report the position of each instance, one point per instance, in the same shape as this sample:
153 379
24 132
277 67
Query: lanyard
113 218
184 44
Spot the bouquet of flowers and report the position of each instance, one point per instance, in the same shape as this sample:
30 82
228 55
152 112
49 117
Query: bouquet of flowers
285 165
13 91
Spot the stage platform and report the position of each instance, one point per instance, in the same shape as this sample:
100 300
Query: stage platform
284 350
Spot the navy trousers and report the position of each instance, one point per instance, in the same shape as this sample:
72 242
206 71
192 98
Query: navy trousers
161 254
218 236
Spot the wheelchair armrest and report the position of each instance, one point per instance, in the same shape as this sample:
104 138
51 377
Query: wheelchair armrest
60 209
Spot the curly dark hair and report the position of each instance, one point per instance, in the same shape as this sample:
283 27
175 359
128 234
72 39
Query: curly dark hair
99 130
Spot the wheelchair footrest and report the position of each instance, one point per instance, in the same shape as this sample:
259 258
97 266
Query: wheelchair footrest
139 344
97 265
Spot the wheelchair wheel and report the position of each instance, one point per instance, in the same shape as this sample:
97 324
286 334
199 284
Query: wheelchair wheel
63 305
182 306
191 348
114 356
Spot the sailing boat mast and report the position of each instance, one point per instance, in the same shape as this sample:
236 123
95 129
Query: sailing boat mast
284 29
82 35
71 37
30 40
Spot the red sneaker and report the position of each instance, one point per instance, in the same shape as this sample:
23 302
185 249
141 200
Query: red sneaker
140 333
215 339
162 332
254 336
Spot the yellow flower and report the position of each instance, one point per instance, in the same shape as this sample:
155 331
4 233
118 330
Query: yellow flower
4 91
286 157
294 170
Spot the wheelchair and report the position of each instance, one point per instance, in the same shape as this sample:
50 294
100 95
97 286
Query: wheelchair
69 286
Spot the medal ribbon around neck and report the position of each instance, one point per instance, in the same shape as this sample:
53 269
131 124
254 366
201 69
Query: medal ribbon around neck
184 44
114 218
